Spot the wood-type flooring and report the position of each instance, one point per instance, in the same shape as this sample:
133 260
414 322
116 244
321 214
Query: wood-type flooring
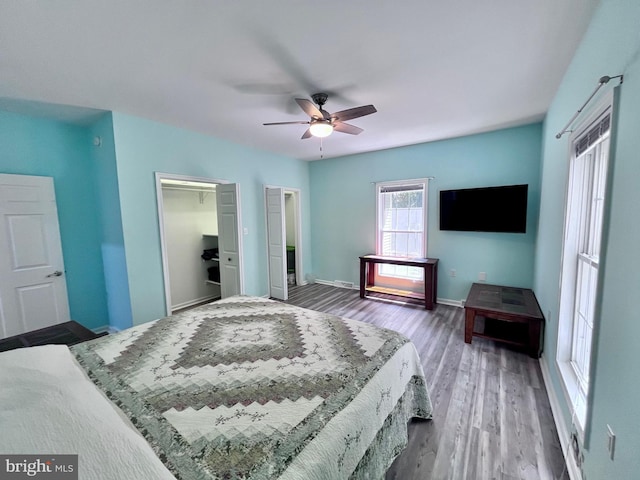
491 413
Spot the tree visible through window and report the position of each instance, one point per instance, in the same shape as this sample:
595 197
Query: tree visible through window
401 225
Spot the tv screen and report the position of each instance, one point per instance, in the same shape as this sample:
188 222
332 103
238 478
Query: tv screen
489 209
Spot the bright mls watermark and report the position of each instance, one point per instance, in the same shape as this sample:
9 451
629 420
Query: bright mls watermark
49 467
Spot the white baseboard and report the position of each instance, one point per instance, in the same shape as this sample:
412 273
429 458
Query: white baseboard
193 302
561 427
338 283
353 286
451 303
105 328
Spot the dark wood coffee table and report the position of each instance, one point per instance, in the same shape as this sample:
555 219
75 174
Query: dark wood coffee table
497 303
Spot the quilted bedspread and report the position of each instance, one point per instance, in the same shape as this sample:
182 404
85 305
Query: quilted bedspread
251 388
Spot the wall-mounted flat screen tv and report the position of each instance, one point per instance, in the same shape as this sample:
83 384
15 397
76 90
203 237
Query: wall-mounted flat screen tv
489 209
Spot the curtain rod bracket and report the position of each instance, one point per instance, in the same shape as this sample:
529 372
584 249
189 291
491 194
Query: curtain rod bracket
606 79
602 81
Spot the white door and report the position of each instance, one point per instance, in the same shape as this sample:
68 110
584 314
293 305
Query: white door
33 290
229 239
276 243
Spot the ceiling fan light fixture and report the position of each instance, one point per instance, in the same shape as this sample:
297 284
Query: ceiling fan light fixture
321 128
322 123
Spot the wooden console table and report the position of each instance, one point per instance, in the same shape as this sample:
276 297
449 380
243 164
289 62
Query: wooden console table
505 304
429 265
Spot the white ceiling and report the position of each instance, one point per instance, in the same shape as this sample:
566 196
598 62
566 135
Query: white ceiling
433 69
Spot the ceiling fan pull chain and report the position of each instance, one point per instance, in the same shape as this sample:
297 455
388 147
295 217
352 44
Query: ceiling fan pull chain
321 154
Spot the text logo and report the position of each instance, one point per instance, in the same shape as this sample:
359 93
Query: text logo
49 467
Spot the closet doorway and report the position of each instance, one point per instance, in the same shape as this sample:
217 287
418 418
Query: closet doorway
200 239
284 240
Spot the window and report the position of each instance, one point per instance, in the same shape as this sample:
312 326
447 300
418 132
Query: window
581 258
401 224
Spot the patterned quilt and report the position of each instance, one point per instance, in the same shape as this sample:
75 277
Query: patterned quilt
249 388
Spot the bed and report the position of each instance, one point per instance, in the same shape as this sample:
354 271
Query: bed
245 388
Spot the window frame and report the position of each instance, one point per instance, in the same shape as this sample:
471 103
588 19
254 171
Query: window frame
424 182
577 398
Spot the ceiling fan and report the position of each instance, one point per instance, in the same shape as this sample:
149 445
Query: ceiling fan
323 123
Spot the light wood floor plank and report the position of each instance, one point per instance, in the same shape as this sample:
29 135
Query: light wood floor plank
491 418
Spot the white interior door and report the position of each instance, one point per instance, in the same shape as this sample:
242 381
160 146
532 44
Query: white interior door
276 243
229 239
33 290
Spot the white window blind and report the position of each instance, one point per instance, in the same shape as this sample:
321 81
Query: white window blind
593 134
401 225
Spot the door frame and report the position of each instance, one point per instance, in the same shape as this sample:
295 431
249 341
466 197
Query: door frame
298 232
159 176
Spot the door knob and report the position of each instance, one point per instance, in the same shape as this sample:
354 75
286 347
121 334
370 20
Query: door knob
57 273
228 259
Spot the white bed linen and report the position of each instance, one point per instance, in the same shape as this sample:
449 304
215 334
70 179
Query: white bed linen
49 406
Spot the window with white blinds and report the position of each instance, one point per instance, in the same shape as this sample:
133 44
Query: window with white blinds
401 224
581 257
590 170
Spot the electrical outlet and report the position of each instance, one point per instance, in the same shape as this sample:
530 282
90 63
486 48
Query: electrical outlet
452 272
576 454
482 276
576 449
611 442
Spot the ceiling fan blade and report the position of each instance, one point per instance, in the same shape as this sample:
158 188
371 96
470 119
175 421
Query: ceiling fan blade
347 128
356 112
309 108
306 134
286 123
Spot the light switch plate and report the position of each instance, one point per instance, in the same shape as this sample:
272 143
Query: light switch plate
611 442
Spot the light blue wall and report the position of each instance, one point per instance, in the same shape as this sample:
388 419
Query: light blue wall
611 46
108 212
144 147
343 206
30 146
